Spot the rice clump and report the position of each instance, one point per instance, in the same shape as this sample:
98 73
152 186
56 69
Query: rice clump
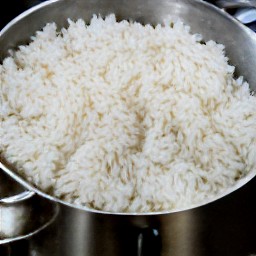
125 117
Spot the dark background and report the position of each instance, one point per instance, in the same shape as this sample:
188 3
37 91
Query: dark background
11 8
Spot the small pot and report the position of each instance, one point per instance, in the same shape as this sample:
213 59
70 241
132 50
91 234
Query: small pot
225 225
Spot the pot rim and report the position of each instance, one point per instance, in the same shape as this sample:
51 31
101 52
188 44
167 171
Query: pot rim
7 168
242 181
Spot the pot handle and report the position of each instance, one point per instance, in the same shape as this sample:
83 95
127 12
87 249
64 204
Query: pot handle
235 3
149 242
11 189
17 198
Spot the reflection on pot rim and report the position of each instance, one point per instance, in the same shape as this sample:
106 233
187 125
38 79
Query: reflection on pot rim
24 214
24 183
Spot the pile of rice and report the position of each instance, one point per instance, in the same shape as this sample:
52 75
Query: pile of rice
124 117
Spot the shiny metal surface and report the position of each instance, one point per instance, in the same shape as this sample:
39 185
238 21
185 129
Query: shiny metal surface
236 3
17 198
211 229
223 228
23 214
246 15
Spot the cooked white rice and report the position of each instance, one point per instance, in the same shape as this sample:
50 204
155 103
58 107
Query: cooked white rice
124 117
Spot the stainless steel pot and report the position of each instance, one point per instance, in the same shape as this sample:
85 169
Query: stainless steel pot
212 228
